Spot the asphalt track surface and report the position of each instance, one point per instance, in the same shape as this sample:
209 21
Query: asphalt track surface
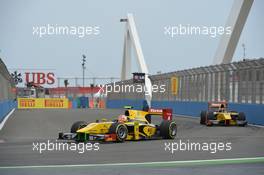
26 127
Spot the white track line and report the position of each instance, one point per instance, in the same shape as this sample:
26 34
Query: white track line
142 163
6 118
260 126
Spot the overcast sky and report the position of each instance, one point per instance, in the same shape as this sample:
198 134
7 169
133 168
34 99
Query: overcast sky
21 49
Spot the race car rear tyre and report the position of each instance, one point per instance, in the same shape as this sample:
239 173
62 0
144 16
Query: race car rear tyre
78 125
241 116
120 130
203 117
168 129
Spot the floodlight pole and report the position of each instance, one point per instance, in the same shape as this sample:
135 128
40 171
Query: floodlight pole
83 67
244 51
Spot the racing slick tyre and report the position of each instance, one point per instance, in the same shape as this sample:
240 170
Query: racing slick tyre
210 116
203 117
168 129
120 130
78 125
241 116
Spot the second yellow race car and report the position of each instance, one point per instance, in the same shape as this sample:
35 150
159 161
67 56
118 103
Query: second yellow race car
217 114
132 125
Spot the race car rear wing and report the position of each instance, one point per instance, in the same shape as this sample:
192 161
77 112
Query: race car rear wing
166 113
217 104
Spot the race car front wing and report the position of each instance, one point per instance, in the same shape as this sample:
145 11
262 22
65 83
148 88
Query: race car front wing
82 137
226 122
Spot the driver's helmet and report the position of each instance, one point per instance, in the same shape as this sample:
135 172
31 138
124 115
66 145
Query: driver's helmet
122 118
222 108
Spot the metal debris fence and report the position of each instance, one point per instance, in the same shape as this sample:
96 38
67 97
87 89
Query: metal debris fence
237 82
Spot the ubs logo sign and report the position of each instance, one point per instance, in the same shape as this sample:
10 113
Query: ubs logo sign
39 78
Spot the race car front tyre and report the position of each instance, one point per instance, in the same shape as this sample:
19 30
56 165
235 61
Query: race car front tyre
203 117
120 130
241 116
168 129
78 125
210 116
241 119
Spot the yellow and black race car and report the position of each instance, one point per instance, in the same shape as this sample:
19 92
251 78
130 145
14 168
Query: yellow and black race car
217 114
132 125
